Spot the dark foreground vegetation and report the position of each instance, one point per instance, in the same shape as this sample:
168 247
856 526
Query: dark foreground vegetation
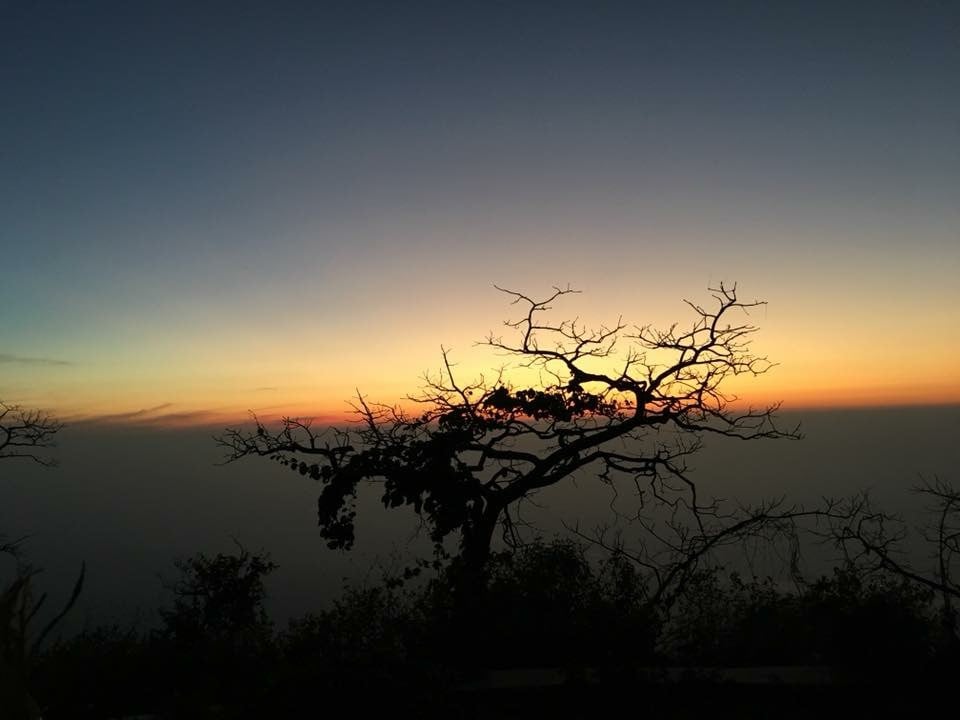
404 647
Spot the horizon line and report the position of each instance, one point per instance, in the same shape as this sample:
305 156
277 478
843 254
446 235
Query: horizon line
221 419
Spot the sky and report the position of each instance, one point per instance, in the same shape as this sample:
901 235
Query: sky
207 208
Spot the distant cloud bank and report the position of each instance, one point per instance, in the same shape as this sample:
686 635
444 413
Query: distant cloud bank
9 359
172 416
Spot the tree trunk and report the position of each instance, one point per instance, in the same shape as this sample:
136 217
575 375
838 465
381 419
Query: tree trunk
469 578
476 547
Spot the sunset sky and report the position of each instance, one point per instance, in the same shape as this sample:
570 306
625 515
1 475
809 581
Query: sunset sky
207 208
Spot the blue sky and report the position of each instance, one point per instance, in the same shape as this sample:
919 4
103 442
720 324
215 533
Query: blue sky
202 199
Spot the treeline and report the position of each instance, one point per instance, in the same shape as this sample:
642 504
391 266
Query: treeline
410 646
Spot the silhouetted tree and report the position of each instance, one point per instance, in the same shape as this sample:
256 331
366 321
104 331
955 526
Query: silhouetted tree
218 630
623 403
220 597
27 433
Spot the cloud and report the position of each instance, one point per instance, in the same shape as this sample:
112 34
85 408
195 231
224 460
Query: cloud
132 416
168 415
185 418
8 359
265 389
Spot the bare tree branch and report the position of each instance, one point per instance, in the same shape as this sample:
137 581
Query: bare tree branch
26 433
874 539
672 549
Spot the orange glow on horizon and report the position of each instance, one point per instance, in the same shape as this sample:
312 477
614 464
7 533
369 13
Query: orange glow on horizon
794 399
824 361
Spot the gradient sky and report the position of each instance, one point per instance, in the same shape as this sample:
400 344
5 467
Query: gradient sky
209 207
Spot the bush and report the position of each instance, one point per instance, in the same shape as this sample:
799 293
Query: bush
847 619
546 604
217 635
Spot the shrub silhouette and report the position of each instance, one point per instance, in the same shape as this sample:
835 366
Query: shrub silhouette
845 619
217 633
550 605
